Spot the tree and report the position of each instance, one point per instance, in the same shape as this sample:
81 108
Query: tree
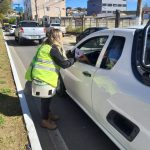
79 9
69 8
12 20
5 6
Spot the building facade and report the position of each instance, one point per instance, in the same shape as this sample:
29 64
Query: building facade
95 7
38 8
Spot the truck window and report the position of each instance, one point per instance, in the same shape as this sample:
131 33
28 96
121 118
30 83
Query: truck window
29 24
92 48
113 52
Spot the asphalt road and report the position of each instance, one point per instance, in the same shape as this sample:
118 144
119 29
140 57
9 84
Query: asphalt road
76 130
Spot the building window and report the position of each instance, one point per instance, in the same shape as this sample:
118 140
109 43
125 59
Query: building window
119 5
115 5
109 4
47 8
104 4
124 5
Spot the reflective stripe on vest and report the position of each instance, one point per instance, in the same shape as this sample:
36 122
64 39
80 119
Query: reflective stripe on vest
45 68
44 61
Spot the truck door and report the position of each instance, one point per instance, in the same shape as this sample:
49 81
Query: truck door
106 79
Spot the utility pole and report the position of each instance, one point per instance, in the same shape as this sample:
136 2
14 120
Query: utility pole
44 9
36 10
139 12
59 13
117 19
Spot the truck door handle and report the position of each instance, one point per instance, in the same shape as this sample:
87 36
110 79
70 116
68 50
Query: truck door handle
86 73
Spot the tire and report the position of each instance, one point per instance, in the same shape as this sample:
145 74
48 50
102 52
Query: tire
40 41
61 90
16 39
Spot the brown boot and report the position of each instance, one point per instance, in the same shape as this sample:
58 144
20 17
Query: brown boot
53 117
48 124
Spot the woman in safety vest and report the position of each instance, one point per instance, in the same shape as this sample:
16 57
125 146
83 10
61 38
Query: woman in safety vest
50 57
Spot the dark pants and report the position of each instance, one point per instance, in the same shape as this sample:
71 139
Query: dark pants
45 107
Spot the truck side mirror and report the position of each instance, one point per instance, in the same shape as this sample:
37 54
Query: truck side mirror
146 48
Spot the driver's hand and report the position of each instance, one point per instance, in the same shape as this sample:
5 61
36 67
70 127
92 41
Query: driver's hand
84 58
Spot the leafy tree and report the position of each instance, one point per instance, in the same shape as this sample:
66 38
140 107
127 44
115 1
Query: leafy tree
79 9
69 8
4 6
12 20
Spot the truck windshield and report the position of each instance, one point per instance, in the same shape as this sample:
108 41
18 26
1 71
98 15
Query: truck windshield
29 24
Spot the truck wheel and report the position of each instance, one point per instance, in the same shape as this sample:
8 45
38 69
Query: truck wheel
61 90
40 41
16 39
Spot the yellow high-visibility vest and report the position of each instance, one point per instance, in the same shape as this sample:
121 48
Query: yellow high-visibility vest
43 68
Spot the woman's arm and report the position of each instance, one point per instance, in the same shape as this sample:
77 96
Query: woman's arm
59 59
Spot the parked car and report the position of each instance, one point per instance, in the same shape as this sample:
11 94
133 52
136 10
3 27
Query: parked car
12 29
88 31
6 27
57 26
29 30
113 86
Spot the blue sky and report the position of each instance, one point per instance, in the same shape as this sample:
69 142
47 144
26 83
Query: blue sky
132 4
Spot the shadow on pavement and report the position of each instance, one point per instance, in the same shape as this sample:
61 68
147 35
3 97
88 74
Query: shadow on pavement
9 105
77 129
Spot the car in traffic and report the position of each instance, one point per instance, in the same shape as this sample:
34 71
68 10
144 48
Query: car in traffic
29 30
56 26
88 31
12 29
111 83
6 27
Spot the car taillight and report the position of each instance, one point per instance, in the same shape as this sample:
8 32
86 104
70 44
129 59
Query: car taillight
44 30
21 30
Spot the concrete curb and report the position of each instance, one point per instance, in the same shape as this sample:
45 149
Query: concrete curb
32 134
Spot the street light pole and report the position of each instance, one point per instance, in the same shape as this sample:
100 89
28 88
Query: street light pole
36 10
44 9
139 12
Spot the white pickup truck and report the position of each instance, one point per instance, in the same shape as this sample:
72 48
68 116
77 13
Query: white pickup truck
29 30
111 83
57 26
